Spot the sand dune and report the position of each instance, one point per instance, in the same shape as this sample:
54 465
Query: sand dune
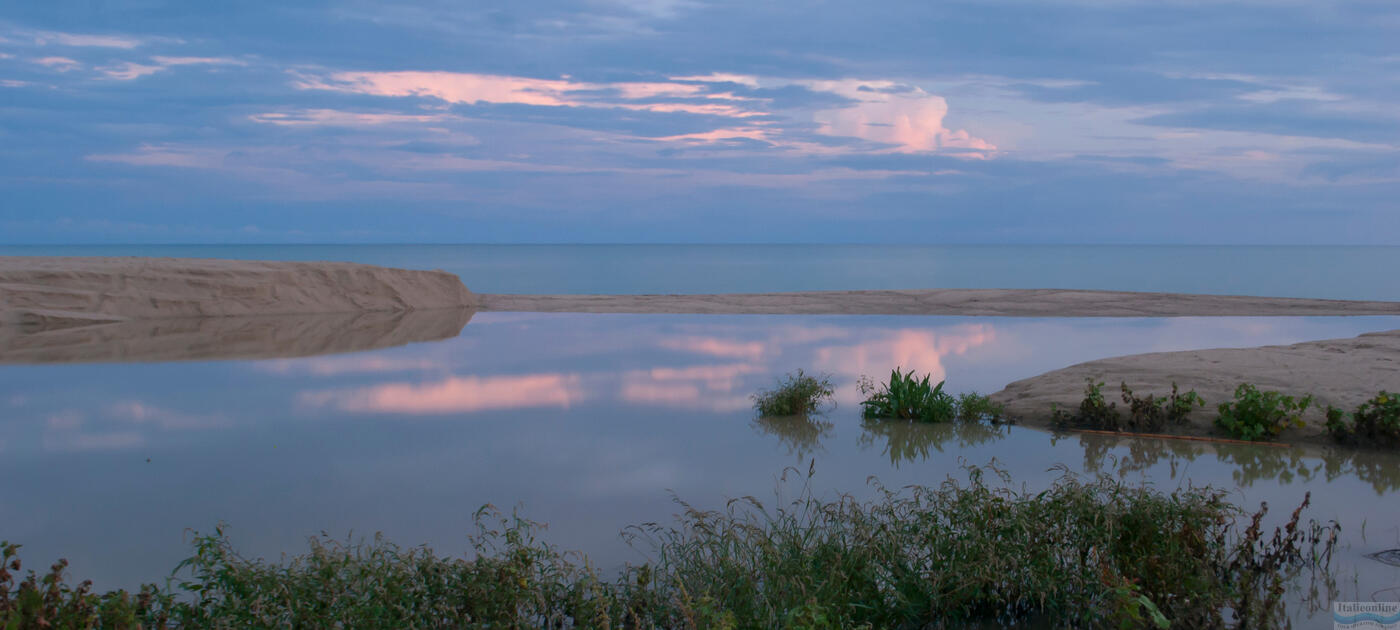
978 302
1339 372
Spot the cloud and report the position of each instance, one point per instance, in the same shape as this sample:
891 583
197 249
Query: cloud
60 64
715 347
897 114
707 387
456 394
127 70
85 41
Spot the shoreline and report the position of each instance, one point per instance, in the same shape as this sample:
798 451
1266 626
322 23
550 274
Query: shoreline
963 302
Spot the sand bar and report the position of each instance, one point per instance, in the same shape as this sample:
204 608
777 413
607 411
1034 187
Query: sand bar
971 302
1339 372
55 292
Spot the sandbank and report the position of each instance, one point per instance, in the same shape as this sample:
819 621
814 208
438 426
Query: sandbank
54 292
1338 372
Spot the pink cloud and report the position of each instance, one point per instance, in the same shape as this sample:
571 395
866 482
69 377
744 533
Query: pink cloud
456 395
913 349
715 347
469 88
127 71
60 64
91 41
887 112
711 387
338 118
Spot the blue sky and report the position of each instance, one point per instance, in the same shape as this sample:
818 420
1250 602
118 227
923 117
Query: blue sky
989 121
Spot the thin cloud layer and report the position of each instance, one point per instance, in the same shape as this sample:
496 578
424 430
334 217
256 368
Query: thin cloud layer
702 121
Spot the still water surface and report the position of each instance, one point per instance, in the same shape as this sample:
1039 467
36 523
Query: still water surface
589 422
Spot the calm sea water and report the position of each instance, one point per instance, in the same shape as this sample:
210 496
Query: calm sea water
1298 271
590 423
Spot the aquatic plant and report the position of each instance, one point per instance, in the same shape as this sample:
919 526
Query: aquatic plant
974 407
796 395
1260 415
907 397
1084 552
1375 422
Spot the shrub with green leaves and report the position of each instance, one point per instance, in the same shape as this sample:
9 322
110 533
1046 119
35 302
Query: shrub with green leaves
48 601
796 395
1260 415
1154 413
1095 412
907 397
1375 422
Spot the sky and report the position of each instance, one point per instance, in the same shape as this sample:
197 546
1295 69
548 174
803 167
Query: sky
658 121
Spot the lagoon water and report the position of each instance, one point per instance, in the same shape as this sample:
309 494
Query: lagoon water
591 423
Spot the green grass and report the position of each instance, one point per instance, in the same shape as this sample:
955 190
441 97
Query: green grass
797 394
1084 552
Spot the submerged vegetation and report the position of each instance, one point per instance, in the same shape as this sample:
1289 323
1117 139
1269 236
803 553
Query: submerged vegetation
1375 422
1084 552
1260 415
796 395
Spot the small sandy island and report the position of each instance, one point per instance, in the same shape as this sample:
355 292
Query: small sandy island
1338 372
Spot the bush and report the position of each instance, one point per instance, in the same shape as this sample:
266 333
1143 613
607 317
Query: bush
1153 413
1094 412
1256 415
1375 422
906 397
796 395
1081 553
974 407
1145 414
49 602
